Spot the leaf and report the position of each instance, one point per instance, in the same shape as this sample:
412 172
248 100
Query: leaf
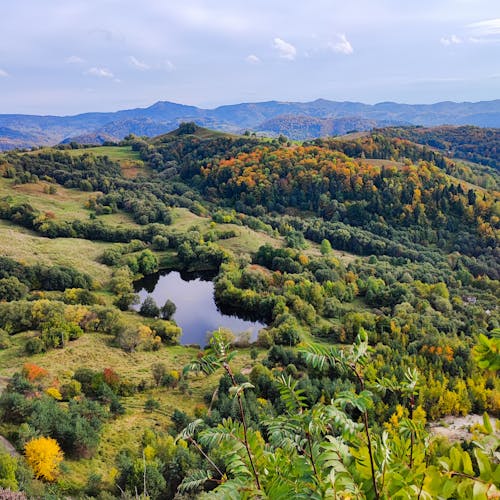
194 481
484 465
487 423
480 491
238 389
291 396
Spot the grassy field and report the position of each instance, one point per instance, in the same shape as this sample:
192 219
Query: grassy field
115 153
126 431
25 246
65 204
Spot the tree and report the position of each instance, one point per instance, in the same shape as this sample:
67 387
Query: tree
12 289
148 262
149 307
326 247
168 309
158 370
44 456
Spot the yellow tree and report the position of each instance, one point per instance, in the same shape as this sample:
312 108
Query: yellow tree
44 456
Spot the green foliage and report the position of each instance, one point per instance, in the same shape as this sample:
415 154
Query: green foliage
8 468
487 351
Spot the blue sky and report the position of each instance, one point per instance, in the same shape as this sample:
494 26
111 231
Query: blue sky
71 56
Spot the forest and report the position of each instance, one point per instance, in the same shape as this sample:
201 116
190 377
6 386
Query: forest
372 260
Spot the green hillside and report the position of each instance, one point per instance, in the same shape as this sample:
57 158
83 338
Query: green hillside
373 263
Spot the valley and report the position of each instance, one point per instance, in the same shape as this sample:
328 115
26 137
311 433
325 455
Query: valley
368 265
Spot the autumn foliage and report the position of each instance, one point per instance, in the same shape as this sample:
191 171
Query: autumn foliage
44 456
34 372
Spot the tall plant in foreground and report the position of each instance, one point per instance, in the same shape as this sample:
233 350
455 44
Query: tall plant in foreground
330 451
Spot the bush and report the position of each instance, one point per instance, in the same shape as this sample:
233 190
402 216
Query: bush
8 468
150 405
168 309
158 370
44 456
149 308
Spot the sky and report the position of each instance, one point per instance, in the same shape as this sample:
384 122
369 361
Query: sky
71 56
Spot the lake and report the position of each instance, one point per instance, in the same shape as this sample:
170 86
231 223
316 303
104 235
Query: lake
197 313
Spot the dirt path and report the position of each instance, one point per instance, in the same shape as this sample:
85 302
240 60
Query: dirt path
458 428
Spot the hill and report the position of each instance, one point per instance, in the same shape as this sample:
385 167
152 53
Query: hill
299 127
475 144
373 266
164 116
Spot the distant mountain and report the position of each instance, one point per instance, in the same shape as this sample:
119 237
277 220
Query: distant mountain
310 119
301 127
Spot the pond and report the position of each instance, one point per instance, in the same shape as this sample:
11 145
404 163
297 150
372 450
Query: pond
197 314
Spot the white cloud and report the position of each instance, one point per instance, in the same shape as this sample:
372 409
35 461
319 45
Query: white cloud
343 46
285 49
484 39
3 73
138 64
74 60
487 27
168 65
252 59
450 40
99 72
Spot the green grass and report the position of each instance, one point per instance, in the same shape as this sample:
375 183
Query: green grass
25 246
65 204
94 351
115 153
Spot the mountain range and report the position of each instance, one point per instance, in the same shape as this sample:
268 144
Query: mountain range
297 120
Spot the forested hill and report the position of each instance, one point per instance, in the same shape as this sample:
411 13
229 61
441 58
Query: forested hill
371 261
479 145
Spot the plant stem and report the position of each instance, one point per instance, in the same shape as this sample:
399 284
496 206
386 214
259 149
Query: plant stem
311 455
412 435
243 421
367 432
200 449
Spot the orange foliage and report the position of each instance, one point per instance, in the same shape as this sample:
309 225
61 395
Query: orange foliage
34 372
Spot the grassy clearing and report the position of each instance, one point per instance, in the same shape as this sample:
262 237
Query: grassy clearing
25 246
65 204
314 250
246 241
115 153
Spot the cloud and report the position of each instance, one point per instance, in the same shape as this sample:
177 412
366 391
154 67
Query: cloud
487 27
99 72
450 40
484 39
138 64
343 46
252 59
3 73
168 65
74 60
285 49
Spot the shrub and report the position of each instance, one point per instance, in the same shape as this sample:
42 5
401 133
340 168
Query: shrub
158 370
34 372
44 455
150 405
8 467
149 308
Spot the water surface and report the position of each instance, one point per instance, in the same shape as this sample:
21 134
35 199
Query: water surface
197 314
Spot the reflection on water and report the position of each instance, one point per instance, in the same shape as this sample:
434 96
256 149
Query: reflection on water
196 313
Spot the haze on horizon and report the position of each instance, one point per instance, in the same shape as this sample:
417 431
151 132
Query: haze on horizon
61 57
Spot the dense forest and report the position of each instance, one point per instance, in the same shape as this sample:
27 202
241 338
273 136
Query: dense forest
372 260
